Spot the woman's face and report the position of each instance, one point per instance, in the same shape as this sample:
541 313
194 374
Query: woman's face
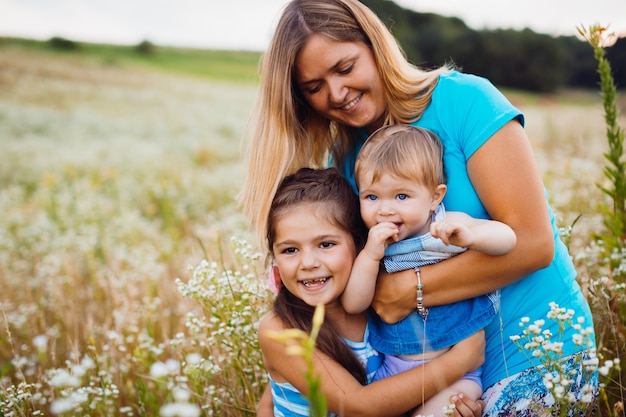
341 82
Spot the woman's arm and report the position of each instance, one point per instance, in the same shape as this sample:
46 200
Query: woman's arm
388 397
508 182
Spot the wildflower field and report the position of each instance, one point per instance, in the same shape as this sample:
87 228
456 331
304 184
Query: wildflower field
129 284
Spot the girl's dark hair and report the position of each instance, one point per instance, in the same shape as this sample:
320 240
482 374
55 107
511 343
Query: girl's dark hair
327 188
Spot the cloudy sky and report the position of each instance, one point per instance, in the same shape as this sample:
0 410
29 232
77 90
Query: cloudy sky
247 24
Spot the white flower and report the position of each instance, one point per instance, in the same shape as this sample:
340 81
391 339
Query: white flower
587 398
577 339
180 410
534 328
41 342
63 378
87 363
193 358
158 370
559 391
181 394
61 406
172 366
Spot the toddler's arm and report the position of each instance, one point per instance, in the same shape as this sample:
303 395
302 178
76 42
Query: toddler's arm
488 236
359 291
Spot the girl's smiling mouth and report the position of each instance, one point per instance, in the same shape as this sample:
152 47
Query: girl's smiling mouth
314 282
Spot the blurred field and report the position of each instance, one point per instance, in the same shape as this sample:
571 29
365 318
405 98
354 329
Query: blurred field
117 173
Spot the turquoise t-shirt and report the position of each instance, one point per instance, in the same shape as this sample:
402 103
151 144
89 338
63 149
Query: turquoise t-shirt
465 112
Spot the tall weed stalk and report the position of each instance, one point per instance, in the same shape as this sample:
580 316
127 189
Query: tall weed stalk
607 255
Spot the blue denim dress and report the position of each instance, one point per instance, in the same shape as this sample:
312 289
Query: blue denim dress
445 325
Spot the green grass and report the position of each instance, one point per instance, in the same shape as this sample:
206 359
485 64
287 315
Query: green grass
219 65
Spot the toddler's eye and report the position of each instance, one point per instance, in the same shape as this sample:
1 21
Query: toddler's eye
402 196
371 197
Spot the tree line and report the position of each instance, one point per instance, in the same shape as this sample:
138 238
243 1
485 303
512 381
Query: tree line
509 58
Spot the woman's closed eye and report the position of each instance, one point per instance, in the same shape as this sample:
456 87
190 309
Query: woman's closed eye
346 70
310 89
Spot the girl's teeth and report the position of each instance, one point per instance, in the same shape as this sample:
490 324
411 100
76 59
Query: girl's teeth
308 282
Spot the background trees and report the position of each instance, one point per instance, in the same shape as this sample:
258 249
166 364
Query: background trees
517 59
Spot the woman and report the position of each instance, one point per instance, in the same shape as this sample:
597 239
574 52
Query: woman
333 74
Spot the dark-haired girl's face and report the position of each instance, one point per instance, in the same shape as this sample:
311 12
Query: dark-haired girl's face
341 82
313 255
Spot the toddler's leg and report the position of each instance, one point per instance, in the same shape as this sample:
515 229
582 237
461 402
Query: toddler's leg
436 403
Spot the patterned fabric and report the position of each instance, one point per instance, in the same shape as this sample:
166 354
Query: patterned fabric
419 250
525 394
289 402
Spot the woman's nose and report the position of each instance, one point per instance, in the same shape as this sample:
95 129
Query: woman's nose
338 92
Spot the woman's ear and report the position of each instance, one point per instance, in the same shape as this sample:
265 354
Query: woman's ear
438 194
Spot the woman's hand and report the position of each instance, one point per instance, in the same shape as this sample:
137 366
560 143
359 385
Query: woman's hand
394 298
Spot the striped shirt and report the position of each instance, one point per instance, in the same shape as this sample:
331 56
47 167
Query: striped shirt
289 402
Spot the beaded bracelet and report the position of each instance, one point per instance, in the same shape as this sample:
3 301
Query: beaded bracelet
423 311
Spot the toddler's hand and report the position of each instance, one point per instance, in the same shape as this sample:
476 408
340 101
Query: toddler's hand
379 237
452 233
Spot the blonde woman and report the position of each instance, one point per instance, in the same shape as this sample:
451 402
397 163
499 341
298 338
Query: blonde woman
333 74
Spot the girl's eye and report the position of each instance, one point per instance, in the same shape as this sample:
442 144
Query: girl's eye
326 245
289 250
371 197
402 196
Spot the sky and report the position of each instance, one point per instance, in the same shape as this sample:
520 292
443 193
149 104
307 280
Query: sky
248 24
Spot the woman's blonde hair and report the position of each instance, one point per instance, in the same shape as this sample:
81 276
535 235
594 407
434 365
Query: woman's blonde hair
287 133
404 152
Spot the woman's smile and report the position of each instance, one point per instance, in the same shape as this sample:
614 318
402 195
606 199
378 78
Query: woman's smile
353 102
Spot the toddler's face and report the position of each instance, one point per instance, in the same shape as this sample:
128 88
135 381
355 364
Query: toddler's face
406 203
